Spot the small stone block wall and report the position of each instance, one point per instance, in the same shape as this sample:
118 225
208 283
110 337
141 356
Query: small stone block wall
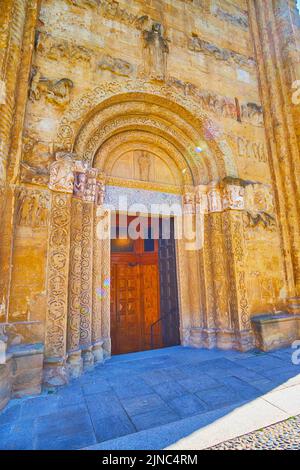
22 372
274 331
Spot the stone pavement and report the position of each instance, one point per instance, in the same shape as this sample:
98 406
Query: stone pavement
177 397
280 436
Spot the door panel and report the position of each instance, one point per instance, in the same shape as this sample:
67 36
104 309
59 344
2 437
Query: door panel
169 307
126 309
143 294
150 302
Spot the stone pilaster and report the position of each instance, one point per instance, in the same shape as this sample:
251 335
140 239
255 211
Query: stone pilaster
61 185
17 25
276 67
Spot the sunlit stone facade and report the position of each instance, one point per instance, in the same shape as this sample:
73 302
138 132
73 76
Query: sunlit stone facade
176 100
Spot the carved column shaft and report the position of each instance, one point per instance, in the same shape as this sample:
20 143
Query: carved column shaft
58 278
61 186
98 288
105 280
74 310
86 284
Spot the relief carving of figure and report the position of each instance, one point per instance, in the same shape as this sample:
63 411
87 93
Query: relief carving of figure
55 91
144 166
90 185
156 49
214 199
61 173
33 209
233 197
100 193
79 184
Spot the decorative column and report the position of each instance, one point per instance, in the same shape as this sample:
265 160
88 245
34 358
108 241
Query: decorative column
87 268
99 289
61 186
275 79
233 201
75 363
105 281
188 267
207 336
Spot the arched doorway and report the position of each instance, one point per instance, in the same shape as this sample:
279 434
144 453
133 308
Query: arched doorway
146 143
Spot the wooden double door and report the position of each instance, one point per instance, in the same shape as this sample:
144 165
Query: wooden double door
140 289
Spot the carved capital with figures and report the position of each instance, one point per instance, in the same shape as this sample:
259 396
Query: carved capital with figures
61 173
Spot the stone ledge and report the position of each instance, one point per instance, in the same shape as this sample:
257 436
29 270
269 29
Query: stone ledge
26 350
22 373
275 330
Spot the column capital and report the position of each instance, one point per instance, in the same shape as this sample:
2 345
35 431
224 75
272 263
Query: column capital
61 173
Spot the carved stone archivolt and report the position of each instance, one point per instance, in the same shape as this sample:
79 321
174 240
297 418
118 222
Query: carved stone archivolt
80 111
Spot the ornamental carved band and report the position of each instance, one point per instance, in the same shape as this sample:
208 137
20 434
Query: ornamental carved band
58 271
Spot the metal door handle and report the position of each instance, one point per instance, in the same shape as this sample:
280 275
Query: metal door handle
132 265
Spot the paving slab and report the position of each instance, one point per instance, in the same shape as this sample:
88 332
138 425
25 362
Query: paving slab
156 399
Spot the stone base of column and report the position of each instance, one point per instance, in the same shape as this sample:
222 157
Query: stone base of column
98 352
88 358
106 347
209 338
55 373
294 305
75 364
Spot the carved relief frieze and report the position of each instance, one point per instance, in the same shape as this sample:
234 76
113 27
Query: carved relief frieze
112 10
115 65
58 50
33 208
55 91
253 150
196 44
238 18
252 113
84 3
233 197
259 206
